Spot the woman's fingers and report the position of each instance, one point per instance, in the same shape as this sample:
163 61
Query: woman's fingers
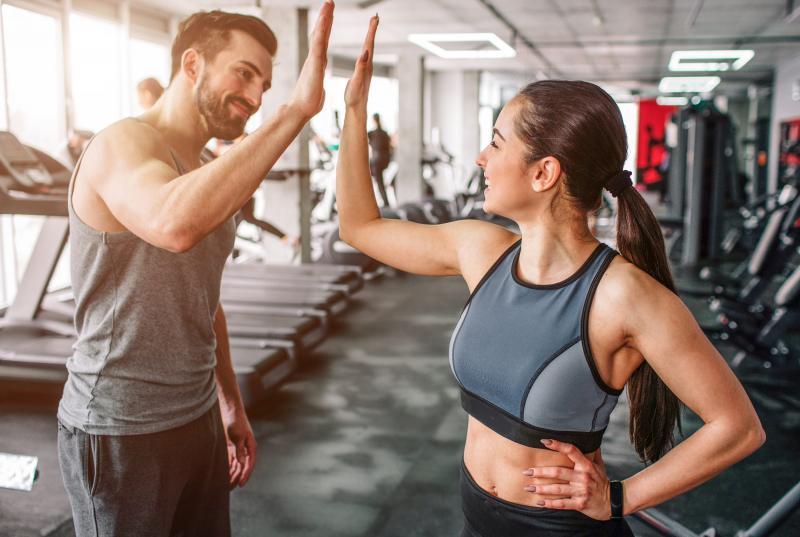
358 86
574 454
553 472
369 40
565 503
561 490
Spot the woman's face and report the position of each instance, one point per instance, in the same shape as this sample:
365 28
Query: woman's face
508 176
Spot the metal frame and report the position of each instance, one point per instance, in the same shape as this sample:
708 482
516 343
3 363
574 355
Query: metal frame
763 527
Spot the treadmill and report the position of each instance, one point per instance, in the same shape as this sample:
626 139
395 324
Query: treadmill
329 303
340 278
35 343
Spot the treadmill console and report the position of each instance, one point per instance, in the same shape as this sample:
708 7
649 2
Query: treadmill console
21 165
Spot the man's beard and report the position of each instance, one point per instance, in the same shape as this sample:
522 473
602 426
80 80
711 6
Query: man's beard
221 122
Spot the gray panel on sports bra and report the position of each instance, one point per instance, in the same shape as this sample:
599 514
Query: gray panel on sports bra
566 397
453 340
509 330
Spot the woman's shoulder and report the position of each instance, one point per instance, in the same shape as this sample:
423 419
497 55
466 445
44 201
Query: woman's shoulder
482 244
625 287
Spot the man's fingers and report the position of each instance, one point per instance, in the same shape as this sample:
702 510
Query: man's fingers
250 459
236 469
322 28
247 469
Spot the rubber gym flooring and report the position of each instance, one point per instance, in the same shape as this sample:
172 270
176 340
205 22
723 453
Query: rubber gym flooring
366 439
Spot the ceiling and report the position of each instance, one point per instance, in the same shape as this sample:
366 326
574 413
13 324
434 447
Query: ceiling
622 43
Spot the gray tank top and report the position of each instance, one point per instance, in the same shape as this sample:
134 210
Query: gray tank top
144 357
521 356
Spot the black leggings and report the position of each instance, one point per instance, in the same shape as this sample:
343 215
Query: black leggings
488 516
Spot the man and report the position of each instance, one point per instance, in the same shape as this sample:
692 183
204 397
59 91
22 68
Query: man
151 395
148 92
380 145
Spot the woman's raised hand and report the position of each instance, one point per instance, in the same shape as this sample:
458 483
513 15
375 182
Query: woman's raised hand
355 95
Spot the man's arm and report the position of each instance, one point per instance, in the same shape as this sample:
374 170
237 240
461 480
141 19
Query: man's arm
240 439
133 176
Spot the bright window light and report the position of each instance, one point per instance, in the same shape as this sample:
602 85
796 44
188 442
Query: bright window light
33 70
709 60
147 59
96 74
688 84
671 101
464 46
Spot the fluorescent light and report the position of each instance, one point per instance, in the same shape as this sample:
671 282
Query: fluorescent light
688 84
428 42
727 60
671 101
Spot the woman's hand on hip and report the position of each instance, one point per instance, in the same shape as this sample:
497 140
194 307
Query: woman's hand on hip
587 486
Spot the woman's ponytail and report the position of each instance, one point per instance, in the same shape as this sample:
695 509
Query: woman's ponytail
654 409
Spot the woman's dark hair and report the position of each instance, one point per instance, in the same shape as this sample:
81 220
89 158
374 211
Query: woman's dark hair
580 125
210 31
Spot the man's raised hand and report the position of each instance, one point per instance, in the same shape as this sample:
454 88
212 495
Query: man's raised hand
309 95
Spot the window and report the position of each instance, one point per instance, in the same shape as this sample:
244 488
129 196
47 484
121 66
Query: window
147 59
32 45
96 74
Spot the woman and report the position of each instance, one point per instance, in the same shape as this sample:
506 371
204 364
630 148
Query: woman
557 324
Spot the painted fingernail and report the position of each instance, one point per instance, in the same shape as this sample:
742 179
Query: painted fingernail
540 503
528 472
531 488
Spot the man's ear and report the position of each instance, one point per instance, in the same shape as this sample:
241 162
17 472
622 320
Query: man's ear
190 64
544 174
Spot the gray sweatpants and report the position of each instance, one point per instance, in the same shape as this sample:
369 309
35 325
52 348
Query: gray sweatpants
171 483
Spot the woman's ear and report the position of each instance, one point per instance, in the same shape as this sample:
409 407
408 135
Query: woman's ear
544 174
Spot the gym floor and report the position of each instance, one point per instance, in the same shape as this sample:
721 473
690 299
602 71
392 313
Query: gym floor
366 439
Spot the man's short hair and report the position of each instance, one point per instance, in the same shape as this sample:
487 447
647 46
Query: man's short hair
209 32
151 85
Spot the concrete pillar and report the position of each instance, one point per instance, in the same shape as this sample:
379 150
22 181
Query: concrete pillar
287 203
470 129
410 70
454 113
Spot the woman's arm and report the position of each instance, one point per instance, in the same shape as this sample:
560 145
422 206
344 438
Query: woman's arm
423 249
658 325
666 334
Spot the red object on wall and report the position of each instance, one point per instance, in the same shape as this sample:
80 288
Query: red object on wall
790 135
654 116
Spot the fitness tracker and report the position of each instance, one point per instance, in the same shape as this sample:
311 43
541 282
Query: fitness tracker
616 499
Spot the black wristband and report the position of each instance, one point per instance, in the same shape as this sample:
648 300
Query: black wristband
616 499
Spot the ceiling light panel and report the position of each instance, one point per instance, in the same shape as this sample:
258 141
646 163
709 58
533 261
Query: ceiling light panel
709 60
671 101
688 84
464 45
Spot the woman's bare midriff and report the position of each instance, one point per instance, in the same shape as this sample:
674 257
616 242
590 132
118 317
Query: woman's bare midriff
496 464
